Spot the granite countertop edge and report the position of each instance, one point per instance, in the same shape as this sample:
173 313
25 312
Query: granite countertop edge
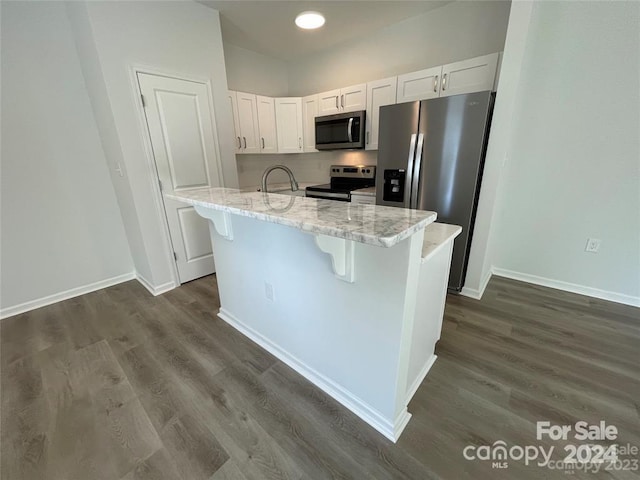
387 226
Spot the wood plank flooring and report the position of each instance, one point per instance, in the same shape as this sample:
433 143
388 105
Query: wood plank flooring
121 385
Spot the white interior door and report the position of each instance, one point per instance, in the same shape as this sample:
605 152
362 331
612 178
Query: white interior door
180 122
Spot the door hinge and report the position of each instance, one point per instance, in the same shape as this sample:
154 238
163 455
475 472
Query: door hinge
144 104
175 256
160 184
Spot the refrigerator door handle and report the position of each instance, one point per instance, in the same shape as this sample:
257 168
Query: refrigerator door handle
349 128
412 152
416 173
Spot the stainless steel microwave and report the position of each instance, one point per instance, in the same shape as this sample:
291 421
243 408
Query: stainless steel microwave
340 131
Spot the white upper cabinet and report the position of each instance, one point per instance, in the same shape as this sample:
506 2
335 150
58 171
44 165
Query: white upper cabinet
473 75
329 102
353 98
267 124
248 122
287 125
420 85
237 141
348 99
379 93
289 117
309 114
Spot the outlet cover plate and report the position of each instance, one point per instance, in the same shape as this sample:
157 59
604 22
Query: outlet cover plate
593 245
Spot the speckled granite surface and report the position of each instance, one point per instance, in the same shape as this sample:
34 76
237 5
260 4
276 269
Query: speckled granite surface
370 224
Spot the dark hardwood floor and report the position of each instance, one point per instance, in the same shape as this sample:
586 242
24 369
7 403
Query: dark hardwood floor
118 384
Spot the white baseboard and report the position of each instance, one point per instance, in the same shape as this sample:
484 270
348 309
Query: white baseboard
420 378
67 294
477 294
155 290
569 287
401 421
390 429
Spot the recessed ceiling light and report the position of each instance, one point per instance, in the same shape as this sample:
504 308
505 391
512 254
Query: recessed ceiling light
310 20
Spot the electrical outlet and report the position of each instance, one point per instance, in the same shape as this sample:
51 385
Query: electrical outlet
268 291
593 245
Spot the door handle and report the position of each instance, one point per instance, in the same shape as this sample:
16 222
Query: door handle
408 179
262 142
239 143
300 142
245 141
349 130
416 172
367 138
435 84
342 101
337 106
444 82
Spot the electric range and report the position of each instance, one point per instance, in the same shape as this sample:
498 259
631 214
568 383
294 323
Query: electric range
344 179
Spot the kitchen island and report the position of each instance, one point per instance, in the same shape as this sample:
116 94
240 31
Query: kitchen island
341 293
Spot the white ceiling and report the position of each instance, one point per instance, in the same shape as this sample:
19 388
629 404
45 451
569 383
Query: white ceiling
267 26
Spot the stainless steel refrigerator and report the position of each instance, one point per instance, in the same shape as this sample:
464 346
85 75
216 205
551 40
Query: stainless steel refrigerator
430 157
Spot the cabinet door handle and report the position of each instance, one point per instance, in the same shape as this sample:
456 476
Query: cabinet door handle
300 142
337 106
444 82
367 138
342 101
245 141
262 142
239 143
435 84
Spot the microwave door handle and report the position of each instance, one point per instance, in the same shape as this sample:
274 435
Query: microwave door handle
416 172
349 126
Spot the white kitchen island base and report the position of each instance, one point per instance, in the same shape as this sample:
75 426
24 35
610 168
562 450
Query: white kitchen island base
347 315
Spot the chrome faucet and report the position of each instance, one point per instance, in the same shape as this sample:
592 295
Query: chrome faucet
292 179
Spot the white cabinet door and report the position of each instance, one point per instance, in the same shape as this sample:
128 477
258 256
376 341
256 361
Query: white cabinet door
353 98
289 117
348 99
237 141
473 75
267 124
420 85
329 102
309 114
180 122
248 121
379 93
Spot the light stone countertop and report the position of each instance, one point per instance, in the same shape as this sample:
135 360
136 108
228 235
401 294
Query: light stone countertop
370 224
436 235
369 191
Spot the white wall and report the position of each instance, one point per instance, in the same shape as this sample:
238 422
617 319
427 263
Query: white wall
175 38
456 31
480 258
249 71
573 169
61 226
